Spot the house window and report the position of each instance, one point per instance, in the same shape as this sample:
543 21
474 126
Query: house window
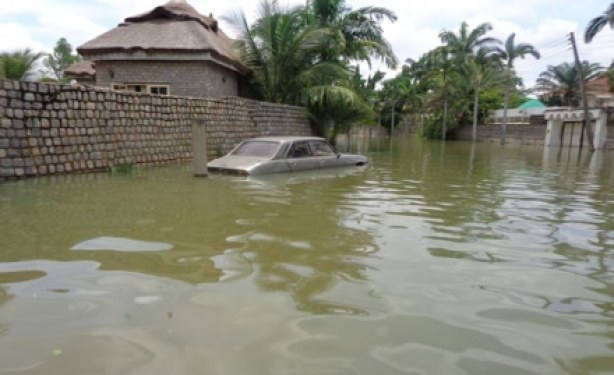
150 89
136 88
133 88
159 90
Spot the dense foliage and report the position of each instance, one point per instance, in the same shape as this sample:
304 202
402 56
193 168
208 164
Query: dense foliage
459 82
306 56
598 23
61 58
17 65
559 85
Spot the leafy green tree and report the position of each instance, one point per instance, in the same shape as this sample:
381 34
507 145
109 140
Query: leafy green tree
61 58
598 23
461 49
560 84
468 41
471 73
281 52
335 109
508 55
484 71
443 70
361 30
439 82
284 53
17 65
367 88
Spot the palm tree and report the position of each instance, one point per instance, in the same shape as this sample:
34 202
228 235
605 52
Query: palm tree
510 53
436 70
17 65
281 52
459 47
335 109
467 42
485 72
561 82
598 23
361 30
284 55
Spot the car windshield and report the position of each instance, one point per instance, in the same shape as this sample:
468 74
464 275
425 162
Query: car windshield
261 149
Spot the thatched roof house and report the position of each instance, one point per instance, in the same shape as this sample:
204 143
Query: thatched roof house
172 49
83 71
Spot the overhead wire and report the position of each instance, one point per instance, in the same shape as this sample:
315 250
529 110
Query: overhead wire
553 51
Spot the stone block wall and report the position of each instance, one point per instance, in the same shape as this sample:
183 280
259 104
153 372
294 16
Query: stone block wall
278 119
53 129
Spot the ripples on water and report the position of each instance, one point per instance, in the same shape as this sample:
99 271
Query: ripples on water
436 259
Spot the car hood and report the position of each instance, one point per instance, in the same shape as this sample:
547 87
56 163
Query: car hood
235 162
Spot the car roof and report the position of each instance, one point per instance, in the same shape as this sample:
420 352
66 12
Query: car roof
286 138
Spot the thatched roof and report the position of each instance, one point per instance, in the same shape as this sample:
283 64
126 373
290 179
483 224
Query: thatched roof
175 27
83 68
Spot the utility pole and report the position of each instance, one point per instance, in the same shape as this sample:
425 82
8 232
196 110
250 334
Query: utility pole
586 126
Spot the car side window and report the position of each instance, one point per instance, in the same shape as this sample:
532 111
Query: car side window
299 150
321 148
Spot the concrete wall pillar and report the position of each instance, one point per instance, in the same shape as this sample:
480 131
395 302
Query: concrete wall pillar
199 148
553 133
601 130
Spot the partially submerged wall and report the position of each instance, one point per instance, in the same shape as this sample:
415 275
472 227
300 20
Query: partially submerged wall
49 129
516 133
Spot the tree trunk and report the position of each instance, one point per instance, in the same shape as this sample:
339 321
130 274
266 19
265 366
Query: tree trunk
445 115
476 99
332 133
445 106
506 100
392 126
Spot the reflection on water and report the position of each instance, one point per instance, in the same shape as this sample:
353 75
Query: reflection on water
436 259
120 244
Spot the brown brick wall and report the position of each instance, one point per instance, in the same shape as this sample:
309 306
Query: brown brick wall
52 129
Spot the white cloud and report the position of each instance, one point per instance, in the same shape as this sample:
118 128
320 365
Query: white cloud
20 38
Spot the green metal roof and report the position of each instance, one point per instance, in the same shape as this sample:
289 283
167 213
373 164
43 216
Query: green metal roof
533 103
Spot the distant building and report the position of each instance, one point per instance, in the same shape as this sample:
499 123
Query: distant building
170 50
82 72
530 112
598 93
565 124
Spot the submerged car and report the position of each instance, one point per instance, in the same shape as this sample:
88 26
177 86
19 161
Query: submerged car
282 154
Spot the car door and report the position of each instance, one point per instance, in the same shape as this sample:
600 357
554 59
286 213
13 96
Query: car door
324 153
300 157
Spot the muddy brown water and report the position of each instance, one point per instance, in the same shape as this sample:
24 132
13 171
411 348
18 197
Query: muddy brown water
435 259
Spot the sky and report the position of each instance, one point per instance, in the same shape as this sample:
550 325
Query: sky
546 24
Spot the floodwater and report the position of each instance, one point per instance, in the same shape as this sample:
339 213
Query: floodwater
436 259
